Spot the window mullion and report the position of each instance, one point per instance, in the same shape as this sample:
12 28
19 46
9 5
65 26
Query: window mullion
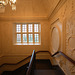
27 34
15 34
33 34
39 37
21 35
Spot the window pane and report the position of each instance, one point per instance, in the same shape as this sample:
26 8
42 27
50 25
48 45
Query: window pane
18 37
24 37
18 28
30 37
36 28
30 28
24 28
36 36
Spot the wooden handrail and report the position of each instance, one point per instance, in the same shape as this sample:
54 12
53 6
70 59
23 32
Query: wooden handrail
68 58
55 54
31 64
31 69
42 51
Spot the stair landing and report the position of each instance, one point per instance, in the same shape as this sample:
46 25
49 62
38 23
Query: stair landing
45 72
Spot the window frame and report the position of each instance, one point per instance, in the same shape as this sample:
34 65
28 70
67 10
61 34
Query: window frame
28 43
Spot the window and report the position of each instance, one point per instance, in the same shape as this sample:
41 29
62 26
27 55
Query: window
28 34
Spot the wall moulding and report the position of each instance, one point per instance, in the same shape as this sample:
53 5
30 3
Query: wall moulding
58 24
56 9
22 18
70 36
70 39
55 28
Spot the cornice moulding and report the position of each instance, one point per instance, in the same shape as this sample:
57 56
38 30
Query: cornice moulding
24 18
56 9
19 18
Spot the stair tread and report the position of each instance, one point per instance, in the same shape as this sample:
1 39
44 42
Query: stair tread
45 72
43 64
42 67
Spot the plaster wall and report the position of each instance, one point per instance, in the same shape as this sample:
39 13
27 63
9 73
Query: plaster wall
7 39
64 35
0 43
0 40
15 53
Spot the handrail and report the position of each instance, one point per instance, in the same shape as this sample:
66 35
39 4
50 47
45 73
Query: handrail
68 58
31 66
42 51
21 60
17 62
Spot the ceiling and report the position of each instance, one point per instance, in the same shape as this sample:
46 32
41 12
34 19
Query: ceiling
30 8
